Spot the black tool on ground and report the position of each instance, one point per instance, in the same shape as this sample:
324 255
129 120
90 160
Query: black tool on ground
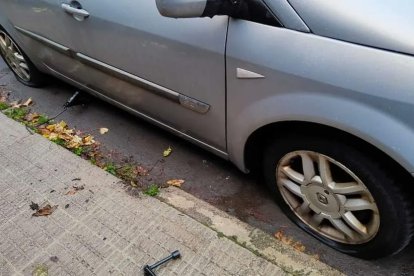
149 269
72 100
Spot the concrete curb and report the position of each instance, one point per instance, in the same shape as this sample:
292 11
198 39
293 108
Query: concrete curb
253 239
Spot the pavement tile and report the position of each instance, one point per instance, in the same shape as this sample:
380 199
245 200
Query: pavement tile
99 230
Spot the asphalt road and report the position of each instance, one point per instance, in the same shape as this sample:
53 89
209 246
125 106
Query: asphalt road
207 177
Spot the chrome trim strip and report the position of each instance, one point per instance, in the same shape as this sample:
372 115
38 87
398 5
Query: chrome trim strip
183 100
98 94
120 74
56 46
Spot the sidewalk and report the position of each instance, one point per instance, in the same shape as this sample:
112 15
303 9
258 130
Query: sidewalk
101 230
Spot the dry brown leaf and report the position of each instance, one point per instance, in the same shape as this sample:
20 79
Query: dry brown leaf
176 182
27 102
88 140
75 143
103 130
299 247
279 234
3 98
32 117
75 189
45 211
19 104
71 192
316 257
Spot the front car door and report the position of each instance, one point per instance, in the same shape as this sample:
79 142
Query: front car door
171 71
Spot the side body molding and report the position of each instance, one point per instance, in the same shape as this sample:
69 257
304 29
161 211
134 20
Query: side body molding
185 101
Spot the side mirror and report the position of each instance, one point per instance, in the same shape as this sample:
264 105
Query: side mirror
198 8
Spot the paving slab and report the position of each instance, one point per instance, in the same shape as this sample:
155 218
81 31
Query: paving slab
102 230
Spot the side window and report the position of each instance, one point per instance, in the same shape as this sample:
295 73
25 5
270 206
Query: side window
257 11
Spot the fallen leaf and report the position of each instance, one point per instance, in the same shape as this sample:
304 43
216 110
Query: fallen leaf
45 211
71 192
316 257
75 143
299 247
3 98
88 140
27 102
176 182
279 234
34 206
167 152
32 117
75 189
19 105
103 130
133 184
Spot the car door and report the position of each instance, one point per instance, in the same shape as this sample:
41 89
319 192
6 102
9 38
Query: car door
168 70
47 35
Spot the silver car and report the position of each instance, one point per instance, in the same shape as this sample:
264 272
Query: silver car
317 95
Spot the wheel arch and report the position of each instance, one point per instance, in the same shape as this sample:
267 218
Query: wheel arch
256 142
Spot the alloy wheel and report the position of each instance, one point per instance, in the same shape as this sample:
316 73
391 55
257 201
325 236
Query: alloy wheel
14 57
328 197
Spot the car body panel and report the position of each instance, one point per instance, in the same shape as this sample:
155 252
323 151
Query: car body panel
382 24
363 91
45 13
136 59
164 54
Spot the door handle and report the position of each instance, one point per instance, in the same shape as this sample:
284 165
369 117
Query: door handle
77 12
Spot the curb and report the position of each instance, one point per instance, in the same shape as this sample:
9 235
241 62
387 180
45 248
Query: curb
253 239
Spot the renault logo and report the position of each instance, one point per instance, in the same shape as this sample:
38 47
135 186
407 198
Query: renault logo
322 199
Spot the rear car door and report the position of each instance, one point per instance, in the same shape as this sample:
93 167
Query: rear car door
46 35
169 70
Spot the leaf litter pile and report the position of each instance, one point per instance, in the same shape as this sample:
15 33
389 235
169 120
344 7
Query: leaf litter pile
84 145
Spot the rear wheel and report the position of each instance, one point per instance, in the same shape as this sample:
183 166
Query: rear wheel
339 195
18 62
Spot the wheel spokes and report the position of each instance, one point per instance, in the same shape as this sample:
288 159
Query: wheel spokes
293 175
348 188
358 204
324 170
341 226
355 224
308 167
316 220
292 187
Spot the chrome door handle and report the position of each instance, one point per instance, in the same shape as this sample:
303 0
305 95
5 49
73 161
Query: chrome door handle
78 14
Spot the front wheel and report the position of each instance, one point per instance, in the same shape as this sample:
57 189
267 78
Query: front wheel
339 195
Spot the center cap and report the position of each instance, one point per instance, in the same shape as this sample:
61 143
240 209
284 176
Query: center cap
321 200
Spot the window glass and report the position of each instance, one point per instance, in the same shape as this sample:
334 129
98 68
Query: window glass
257 11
